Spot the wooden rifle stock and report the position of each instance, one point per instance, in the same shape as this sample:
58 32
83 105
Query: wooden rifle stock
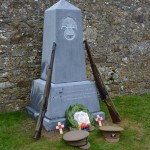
101 88
44 104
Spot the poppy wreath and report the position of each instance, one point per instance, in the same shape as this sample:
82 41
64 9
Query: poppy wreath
70 117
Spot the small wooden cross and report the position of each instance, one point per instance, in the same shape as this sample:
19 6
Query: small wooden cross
99 119
60 127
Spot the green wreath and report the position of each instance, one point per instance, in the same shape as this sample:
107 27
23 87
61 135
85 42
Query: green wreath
70 115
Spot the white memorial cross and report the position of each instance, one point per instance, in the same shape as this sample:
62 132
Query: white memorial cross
60 127
99 119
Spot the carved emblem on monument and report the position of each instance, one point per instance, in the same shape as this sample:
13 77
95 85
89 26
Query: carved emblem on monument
69 25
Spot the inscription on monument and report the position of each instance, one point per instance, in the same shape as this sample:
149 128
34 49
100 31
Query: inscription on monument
69 25
74 93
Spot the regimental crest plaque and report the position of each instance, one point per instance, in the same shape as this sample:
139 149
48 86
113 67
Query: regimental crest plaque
70 26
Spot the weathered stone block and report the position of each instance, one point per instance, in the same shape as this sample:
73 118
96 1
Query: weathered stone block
100 58
4 85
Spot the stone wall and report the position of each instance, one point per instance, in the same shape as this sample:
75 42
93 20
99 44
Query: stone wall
118 33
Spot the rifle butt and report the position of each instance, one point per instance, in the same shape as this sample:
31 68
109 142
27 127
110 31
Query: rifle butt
114 115
37 135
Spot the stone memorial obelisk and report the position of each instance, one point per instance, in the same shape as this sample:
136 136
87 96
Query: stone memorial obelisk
63 25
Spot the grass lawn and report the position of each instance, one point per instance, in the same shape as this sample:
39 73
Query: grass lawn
17 129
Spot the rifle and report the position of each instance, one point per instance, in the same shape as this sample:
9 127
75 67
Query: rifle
101 88
44 104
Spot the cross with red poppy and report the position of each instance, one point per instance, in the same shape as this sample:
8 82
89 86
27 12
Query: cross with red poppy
99 119
60 127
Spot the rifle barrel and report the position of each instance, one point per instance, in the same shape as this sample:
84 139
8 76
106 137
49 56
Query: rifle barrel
101 88
44 104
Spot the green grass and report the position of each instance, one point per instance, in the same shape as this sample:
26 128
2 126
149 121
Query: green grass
17 129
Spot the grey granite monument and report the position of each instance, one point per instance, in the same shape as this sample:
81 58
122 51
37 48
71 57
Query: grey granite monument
63 25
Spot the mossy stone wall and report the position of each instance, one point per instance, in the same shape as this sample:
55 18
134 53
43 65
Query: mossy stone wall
118 33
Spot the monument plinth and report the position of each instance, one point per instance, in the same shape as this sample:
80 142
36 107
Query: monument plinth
63 25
